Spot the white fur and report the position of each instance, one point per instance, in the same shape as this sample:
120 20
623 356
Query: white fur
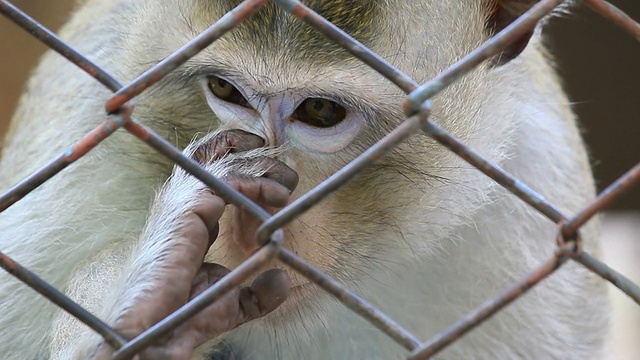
422 235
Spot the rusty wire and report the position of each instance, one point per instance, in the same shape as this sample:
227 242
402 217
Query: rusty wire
120 109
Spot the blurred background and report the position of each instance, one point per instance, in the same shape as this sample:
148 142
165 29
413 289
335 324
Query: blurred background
600 65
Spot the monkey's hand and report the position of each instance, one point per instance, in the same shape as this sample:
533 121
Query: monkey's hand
167 269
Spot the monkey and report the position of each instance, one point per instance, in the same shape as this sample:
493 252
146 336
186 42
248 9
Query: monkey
420 234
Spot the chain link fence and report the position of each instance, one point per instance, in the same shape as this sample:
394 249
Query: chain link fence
417 108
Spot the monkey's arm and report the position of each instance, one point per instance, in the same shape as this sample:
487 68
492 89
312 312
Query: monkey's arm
167 269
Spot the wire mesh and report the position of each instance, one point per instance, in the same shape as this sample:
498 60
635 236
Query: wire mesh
417 108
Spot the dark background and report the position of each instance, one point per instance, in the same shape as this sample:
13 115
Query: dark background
599 62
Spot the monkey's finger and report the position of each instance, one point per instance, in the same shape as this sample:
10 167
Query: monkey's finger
209 210
273 169
280 172
195 236
207 275
181 260
229 141
273 190
266 293
264 191
239 306
239 140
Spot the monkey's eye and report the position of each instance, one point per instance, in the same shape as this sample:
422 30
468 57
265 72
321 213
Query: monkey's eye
223 90
320 112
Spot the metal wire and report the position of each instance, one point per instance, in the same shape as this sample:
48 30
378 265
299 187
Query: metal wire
417 107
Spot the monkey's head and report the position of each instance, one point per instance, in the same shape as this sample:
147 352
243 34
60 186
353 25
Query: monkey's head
276 77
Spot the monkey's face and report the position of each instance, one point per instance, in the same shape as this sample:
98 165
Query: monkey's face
317 130
277 78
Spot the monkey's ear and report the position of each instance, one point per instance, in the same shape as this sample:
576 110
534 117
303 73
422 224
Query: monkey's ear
501 13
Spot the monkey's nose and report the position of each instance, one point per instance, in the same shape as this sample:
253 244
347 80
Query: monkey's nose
275 117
